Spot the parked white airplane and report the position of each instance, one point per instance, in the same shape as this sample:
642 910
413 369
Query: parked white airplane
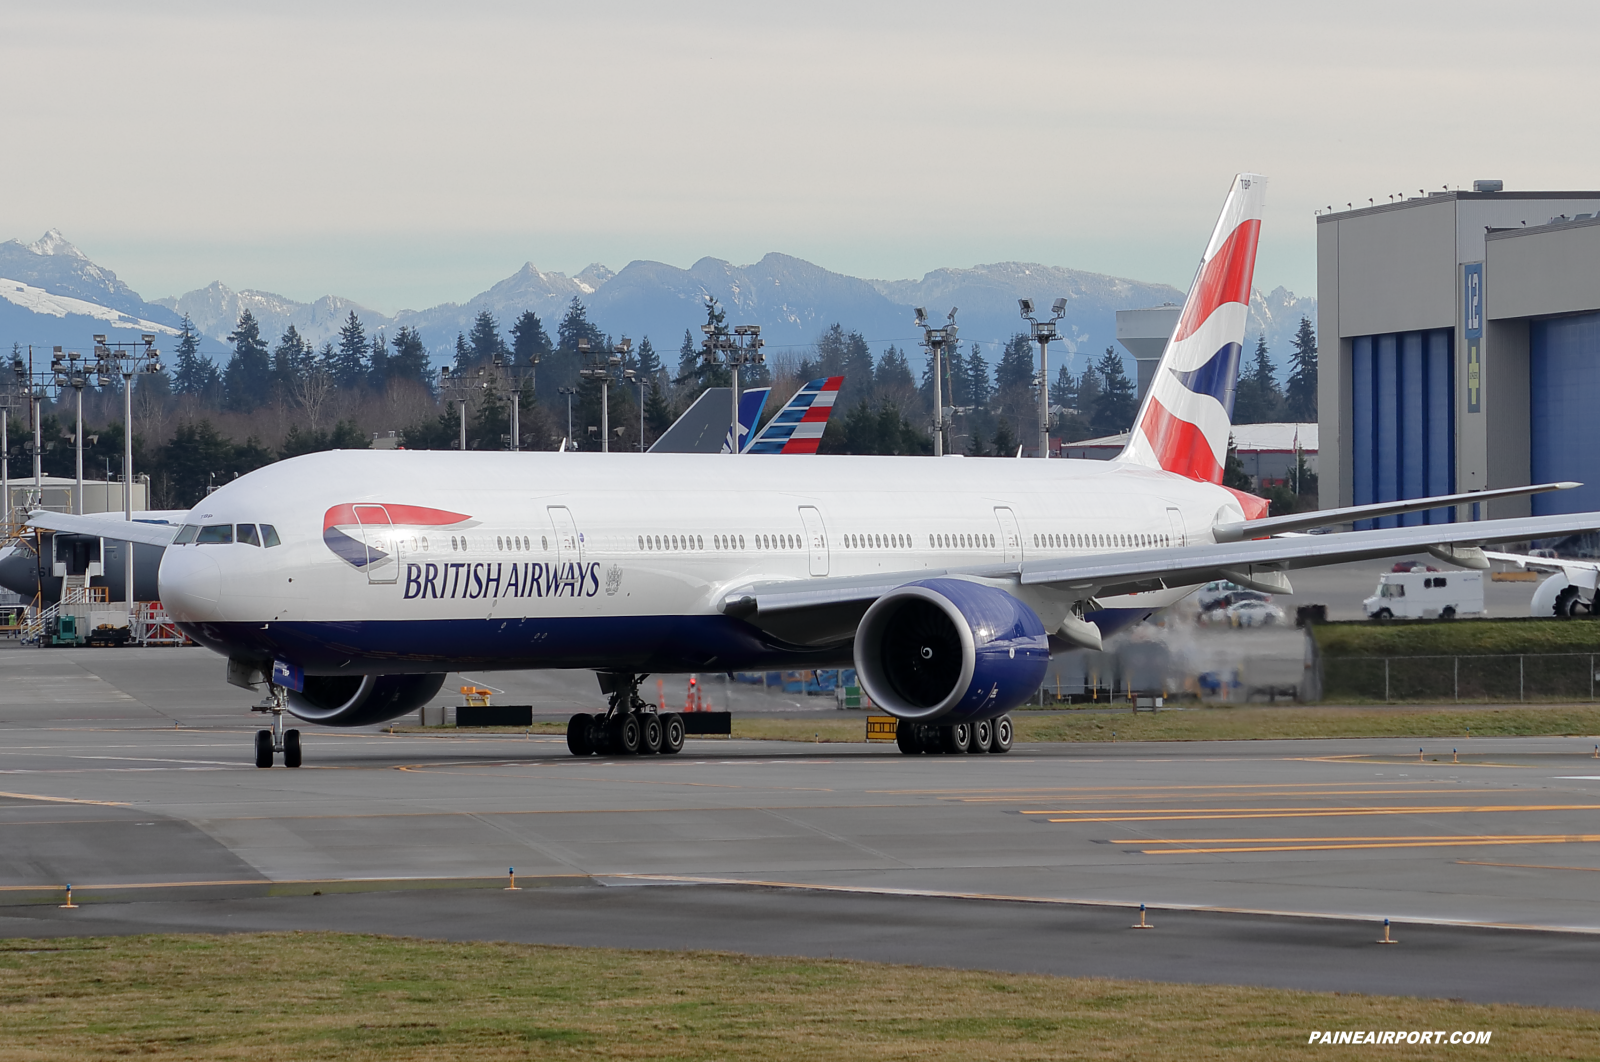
350 583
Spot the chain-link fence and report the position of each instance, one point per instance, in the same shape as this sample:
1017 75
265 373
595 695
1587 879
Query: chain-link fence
1501 678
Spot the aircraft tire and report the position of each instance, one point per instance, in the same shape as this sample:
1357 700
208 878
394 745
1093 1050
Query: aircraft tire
1001 742
291 748
956 739
599 734
671 734
626 735
578 734
906 736
930 739
650 735
263 748
982 735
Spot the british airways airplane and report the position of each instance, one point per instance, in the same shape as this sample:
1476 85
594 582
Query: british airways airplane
349 583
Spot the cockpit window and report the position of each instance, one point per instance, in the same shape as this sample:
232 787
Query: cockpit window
247 535
269 535
215 534
186 535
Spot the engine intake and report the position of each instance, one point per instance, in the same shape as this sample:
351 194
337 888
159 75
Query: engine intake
951 650
360 700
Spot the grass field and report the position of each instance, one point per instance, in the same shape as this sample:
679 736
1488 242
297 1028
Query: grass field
1458 637
1196 724
353 998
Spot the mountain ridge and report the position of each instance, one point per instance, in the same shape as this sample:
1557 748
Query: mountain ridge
792 299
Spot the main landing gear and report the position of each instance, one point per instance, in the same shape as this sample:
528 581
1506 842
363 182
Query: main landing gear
983 735
276 740
629 727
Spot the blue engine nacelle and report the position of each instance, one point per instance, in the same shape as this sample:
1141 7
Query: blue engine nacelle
950 650
361 700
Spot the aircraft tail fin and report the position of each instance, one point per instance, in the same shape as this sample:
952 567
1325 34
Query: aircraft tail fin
798 427
751 403
1183 425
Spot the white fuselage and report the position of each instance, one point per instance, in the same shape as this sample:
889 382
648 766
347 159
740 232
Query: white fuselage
576 559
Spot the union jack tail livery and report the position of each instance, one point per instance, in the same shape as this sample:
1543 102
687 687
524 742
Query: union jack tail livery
1183 425
798 427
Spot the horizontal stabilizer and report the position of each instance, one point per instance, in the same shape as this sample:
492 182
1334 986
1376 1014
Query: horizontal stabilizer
116 530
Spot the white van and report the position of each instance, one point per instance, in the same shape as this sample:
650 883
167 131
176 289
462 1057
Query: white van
1424 594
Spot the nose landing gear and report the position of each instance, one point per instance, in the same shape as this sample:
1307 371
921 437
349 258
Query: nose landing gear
629 727
276 740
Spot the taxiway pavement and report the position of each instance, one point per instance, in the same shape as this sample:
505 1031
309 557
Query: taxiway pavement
1264 862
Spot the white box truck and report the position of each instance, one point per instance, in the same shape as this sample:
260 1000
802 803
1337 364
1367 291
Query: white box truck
1424 594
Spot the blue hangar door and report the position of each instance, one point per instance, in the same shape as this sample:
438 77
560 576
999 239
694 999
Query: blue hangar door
1564 411
1403 422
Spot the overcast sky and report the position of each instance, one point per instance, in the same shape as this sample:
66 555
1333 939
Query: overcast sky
407 154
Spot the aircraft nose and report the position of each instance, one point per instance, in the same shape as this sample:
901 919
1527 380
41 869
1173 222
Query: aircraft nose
191 583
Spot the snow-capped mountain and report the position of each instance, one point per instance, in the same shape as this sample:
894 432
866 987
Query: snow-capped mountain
51 293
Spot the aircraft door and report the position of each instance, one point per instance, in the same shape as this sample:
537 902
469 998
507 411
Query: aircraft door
383 545
569 544
1010 533
1175 521
816 539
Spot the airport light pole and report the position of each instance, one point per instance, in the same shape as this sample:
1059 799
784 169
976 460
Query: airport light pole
72 370
36 396
602 369
514 374
1043 333
127 360
457 386
629 375
935 340
569 392
741 347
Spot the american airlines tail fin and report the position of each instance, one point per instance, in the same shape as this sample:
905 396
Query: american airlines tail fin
1183 425
798 427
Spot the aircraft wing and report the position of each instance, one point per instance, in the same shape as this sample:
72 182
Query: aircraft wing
104 526
1258 562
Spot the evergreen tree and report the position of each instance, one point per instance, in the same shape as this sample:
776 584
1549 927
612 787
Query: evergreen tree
1115 406
893 372
1064 392
956 390
649 360
688 357
859 372
463 353
1089 389
979 389
831 346
1016 364
377 363
1257 399
529 341
485 338
288 357
350 364
975 447
1233 474
248 376
194 373
1301 399
1005 444
657 413
410 358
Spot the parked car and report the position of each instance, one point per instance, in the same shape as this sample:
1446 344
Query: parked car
1255 614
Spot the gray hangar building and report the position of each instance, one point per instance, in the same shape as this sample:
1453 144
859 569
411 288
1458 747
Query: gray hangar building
1459 350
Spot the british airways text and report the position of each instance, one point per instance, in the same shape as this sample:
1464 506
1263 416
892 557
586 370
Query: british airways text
481 579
